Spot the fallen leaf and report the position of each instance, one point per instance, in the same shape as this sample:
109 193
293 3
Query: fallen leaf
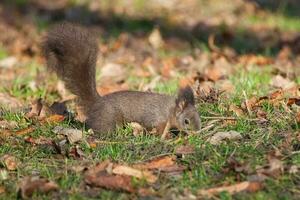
53 119
25 131
63 92
29 185
36 108
221 136
129 171
2 189
294 169
137 129
107 89
250 104
245 186
3 174
185 149
73 135
4 124
163 164
9 102
292 101
112 182
112 73
238 111
76 153
251 59
278 94
8 62
155 39
261 114
39 141
280 82
167 69
274 168
214 73
157 163
10 162
298 117
99 177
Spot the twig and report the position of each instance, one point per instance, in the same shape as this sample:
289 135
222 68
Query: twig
166 131
229 118
246 102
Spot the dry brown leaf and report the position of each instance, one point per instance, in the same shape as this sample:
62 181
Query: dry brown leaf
155 39
186 82
294 169
8 62
238 111
53 119
168 68
39 141
137 128
245 186
261 114
3 174
99 177
112 73
292 101
4 124
281 82
106 89
10 162
274 168
129 171
76 153
164 164
214 73
25 131
225 85
298 117
157 163
255 60
36 108
221 136
185 149
29 185
2 189
73 135
279 94
250 103
9 102
112 182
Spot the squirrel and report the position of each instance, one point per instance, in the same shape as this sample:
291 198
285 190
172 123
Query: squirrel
71 52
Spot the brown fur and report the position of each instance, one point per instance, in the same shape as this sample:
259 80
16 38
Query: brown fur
71 51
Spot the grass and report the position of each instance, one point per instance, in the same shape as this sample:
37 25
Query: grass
205 165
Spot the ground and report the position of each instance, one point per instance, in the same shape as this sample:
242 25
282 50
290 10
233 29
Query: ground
242 60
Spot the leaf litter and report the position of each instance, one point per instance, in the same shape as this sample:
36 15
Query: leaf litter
207 72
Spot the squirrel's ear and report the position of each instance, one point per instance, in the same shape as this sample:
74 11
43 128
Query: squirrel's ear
185 97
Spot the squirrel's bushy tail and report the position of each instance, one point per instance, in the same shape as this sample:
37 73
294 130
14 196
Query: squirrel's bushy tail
71 52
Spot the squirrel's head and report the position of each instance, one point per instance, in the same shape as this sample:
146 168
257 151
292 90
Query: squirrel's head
186 115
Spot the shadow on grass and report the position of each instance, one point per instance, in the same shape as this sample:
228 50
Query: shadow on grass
241 40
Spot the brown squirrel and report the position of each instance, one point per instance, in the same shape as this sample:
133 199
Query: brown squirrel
71 52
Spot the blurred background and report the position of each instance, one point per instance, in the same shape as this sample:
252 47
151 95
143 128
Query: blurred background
200 39
241 57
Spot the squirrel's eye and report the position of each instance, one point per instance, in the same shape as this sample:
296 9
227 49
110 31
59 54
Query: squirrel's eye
187 121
